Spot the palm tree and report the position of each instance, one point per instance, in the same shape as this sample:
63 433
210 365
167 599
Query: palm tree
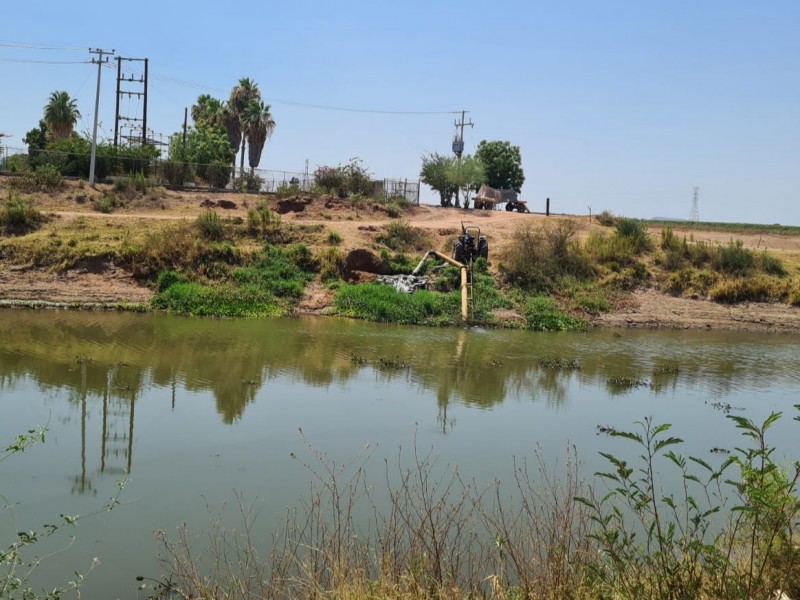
61 114
241 95
258 125
207 111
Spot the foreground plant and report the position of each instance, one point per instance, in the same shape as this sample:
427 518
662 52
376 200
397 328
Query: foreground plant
17 563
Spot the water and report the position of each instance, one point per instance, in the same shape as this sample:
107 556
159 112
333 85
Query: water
194 410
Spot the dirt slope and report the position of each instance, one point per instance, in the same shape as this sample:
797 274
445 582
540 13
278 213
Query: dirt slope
104 283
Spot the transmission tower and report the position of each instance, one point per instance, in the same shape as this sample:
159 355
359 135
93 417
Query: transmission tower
694 215
135 86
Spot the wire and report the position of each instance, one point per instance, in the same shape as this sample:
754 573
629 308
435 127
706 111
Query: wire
44 62
189 84
33 46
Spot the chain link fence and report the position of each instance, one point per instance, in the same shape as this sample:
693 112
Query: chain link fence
110 163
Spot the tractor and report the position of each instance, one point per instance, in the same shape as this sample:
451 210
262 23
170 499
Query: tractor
470 245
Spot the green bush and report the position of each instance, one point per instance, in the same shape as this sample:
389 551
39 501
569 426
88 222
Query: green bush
760 288
105 203
331 264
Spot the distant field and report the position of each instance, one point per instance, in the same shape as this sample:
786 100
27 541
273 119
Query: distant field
727 227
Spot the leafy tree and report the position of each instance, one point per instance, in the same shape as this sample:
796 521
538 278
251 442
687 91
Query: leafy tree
205 145
466 174
502 163
61 114
36 138
435 174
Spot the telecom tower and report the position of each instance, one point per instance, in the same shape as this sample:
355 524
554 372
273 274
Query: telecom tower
694 215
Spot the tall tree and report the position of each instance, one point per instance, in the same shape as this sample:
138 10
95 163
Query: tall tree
61 114
502 163
241 95
435 173
466 173
257 125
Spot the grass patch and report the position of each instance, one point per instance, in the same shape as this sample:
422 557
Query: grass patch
542 314
381 303
224 300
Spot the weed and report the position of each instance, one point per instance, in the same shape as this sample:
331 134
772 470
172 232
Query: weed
771 265
381 303
209 225
635 231
334 238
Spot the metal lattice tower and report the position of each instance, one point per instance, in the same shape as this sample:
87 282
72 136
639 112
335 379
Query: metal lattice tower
131 127
694 214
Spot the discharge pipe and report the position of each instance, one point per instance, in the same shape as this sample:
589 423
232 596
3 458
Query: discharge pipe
455 263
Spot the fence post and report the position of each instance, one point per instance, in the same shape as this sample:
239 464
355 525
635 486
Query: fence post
547 208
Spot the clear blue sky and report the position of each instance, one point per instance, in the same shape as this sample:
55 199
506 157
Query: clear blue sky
617 105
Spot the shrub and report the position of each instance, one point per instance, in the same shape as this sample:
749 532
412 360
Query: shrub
760 288
606 218
249 182
18 215
331 263
105 203
209 225
771 265
733 259
635 231
196 299
176 172
612 250
393 210
538 257
218 174
45 177
401 235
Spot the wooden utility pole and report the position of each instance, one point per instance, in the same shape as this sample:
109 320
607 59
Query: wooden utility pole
99 62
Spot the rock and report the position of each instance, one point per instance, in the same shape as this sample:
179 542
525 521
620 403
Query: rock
208 203
292 204
227 204
364 260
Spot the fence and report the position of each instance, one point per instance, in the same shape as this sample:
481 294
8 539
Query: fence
125 161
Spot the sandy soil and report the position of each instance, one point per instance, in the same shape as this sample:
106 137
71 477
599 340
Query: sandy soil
104 283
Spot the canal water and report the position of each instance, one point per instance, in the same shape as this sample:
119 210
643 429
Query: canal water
193 411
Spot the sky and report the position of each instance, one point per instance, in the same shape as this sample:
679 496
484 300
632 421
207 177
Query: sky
616 105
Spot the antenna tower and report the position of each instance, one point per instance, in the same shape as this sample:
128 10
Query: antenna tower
694 215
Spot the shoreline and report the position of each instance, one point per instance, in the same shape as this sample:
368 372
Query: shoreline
643 309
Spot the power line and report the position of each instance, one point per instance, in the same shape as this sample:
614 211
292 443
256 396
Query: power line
206 88
34 46
44 62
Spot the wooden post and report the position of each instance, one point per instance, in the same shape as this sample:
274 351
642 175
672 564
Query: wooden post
547 208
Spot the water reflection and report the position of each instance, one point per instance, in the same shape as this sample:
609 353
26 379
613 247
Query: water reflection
106 360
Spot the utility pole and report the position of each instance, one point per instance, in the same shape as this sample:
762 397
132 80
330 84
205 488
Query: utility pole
99 62
458 142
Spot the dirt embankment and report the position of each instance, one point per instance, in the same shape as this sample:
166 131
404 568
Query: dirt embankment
100 282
